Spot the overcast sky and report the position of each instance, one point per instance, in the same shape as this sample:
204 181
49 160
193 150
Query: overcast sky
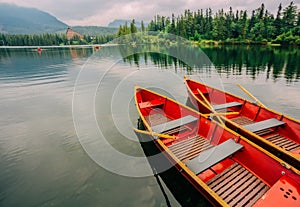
101 12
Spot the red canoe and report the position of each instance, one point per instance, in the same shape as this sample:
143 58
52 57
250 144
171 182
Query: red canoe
269 129
228 169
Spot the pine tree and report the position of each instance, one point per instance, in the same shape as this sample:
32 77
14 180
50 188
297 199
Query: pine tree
278 22
133 28
143 26
243 24
120 31
289 17
172 28
261 11
220 30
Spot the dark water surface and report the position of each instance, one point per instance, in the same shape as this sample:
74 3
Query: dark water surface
67 115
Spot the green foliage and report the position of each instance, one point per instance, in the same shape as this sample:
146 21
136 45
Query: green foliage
289 17
234 27
143 26
133 28
287 39
123 30
51 40
32 40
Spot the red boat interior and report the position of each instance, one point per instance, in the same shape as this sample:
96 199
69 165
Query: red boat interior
276 128
231 166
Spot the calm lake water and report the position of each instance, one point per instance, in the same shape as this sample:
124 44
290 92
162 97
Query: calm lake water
67 115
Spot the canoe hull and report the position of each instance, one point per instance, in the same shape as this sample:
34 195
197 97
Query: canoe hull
250 113
205 153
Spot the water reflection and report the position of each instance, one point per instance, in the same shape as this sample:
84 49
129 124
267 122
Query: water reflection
42 160
30 64
274 62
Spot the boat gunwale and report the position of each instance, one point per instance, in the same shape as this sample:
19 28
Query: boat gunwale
238 97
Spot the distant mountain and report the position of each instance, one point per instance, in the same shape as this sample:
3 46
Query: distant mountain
95 30
117 22
21 20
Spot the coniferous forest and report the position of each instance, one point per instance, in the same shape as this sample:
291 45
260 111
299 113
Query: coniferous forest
260 26
52 39
203 26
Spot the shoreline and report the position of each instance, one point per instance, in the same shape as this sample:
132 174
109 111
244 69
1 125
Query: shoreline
210 43
57 46
241 43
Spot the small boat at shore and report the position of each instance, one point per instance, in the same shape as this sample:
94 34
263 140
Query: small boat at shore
275 132
226 168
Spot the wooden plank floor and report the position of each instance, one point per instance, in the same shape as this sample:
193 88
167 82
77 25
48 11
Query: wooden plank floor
275 138
241 120
283 142
237 186
190 148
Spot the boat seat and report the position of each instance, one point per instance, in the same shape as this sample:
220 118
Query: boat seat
265 124
152 103
226 105
212 156
173 124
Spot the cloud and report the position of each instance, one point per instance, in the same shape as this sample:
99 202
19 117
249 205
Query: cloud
101 12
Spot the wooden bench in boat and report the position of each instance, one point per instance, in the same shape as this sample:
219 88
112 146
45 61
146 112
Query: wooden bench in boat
212 156
266 124
152 103
226 105
174 124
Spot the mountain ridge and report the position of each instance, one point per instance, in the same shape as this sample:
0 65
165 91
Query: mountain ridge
16 20
23 20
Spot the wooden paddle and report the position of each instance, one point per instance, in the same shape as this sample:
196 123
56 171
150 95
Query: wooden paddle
250 95
154 134
223 114
211 107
